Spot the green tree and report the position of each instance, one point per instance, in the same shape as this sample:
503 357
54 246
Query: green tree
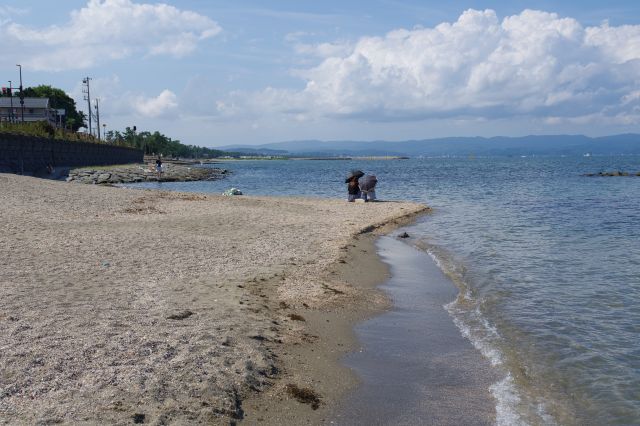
60 100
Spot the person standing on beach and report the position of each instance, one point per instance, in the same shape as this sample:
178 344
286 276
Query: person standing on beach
159 167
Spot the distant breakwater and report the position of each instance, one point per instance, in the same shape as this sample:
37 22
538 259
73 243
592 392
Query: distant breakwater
131 173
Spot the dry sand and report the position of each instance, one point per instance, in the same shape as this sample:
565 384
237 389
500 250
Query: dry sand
121 306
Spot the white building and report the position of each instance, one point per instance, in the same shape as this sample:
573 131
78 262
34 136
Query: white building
35 109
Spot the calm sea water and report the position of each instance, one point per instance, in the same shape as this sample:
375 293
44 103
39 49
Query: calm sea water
547 262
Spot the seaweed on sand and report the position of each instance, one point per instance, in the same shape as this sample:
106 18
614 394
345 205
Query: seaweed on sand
296 317
180 315
304 395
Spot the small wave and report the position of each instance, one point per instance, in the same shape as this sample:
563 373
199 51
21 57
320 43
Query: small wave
479 341
484 336
465 309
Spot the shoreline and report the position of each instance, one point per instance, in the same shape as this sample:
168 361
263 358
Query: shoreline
317 364
416 366
126 304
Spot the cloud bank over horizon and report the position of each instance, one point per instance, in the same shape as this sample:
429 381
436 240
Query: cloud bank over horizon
532 64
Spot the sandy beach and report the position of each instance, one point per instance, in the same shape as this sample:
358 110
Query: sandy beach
123 306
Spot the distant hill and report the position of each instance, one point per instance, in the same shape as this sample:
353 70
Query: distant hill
455 146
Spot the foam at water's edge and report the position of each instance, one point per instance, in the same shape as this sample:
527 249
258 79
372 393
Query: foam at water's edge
507 399
481 343
505 391
466 315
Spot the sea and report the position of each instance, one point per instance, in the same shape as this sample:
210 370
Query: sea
546 261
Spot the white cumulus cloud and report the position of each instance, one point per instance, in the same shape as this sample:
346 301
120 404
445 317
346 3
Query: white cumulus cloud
531 64
107 29
165 104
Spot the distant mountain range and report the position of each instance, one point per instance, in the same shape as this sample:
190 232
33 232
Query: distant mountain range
453 146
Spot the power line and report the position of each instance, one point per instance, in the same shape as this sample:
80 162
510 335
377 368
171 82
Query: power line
98 116
21 94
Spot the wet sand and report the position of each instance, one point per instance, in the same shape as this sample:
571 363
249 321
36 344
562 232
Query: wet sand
415 366
317 363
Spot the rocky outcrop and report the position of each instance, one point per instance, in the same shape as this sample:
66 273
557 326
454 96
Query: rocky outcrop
142 173
613 173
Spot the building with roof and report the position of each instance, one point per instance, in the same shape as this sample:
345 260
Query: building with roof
35 109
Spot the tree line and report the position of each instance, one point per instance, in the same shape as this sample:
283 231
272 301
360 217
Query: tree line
158 144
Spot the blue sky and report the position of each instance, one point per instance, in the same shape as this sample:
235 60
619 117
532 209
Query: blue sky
214 73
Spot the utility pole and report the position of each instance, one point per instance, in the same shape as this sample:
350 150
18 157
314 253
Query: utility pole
98 116
87 97
21 94
11 102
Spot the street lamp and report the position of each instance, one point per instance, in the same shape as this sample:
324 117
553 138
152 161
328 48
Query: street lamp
104 131
21 94
11 102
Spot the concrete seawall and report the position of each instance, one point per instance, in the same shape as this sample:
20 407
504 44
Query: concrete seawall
29 154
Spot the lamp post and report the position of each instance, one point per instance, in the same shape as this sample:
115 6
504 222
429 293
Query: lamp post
21 94
104 131
11 102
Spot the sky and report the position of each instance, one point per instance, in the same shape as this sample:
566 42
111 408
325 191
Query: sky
215 73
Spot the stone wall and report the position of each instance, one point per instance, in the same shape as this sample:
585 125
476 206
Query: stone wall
30 154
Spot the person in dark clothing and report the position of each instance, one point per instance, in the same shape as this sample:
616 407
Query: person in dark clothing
159 167
353 189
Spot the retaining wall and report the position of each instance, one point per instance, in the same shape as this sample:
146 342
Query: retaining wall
30 154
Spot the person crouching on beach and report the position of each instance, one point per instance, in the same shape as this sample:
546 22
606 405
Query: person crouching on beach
368 188
353 189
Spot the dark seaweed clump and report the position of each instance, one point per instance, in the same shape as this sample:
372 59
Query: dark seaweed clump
296 317
304 395
180 315
138 418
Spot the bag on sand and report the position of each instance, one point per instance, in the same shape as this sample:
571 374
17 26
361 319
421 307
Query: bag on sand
232 191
